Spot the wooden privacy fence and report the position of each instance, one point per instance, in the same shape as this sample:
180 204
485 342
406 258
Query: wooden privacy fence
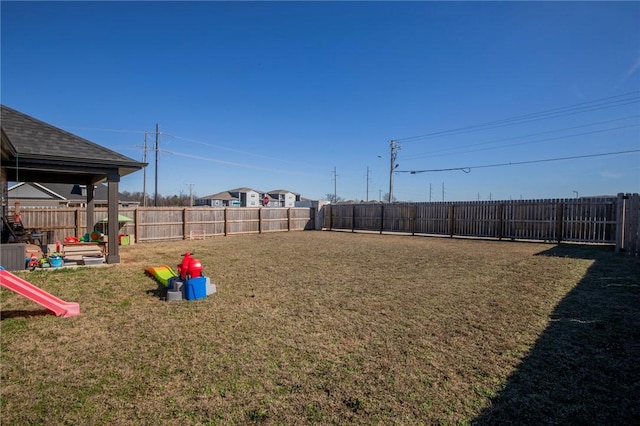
167 223
602 220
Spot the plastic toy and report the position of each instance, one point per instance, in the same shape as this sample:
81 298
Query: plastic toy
189 283
24 288
189 268
163 274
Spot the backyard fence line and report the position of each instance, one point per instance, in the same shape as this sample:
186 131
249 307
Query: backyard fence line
598 220
169 223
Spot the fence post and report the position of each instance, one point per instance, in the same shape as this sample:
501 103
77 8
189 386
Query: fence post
620 219
628 223
559 223
414 218
452 220
260 220
226 221
289 219
353 218
381 218
330 207
184 223
635 217
136 218
78 227
500 221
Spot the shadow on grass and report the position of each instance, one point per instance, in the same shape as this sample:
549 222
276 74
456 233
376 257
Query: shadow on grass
585 368
20 313
160 292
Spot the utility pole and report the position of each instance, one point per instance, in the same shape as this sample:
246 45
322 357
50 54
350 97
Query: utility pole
394 148
190 185
442 191
144 173
155 199
335 185
430 191
368 179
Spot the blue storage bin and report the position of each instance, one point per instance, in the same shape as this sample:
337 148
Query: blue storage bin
55 261
196 288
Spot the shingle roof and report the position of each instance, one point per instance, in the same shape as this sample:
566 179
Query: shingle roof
34 151
224 195
35 138
63 191
282 191
243 189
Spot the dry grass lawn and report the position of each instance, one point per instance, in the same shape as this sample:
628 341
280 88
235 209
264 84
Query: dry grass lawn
333 328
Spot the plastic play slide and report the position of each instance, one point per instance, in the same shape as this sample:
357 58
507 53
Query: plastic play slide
162 273
24 288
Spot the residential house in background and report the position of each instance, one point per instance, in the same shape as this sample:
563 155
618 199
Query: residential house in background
282 198
247 197
33 194
221 199
239 197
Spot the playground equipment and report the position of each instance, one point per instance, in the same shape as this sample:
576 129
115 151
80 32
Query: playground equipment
162 273
24 288
190 267
188 283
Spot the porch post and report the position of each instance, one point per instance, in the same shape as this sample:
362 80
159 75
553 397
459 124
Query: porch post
91 203
113 255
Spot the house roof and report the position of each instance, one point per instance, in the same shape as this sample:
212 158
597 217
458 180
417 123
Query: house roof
35 151
224 195
282 191
243 189
62 191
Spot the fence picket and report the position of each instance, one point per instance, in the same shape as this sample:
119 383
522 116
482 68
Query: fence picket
588 220
167 223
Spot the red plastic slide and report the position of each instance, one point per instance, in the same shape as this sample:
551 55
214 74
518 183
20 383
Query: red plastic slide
24 288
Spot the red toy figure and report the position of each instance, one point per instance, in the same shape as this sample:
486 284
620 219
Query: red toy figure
190 267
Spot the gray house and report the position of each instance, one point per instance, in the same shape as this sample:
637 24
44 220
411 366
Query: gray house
283 198
221 199
247 197
239 197
33 194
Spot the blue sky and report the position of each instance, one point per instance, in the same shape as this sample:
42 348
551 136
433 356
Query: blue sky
275 95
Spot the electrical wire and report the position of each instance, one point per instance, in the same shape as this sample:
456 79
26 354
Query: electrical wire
231 163
430 154
579 108
105 130
265 157
469 168
535 141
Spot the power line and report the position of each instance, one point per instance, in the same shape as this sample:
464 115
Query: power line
537 141
430 154
579 108
469 168
187 140
231 149
229 163
103 129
